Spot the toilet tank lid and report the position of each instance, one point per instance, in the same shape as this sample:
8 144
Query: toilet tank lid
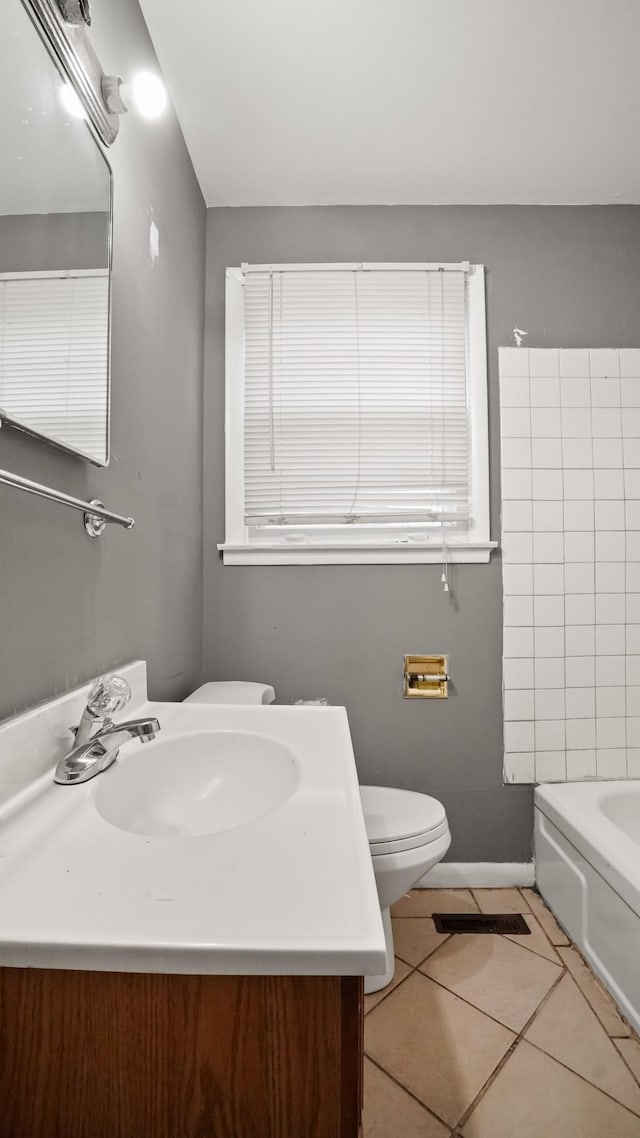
392 814
232 691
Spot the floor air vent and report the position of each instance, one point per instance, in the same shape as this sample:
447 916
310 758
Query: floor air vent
509 923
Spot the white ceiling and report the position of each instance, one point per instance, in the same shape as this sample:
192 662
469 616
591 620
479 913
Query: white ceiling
293 102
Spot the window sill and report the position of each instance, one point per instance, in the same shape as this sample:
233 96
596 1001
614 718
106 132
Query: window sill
400 554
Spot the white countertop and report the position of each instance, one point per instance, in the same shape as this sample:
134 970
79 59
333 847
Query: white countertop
292 893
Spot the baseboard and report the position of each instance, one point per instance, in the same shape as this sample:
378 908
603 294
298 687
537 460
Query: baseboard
478 875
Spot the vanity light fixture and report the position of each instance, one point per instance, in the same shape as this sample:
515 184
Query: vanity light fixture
146 92
76 11
64 28
149 94
72 102
64 24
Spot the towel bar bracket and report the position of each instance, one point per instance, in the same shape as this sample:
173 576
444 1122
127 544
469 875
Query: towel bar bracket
93 523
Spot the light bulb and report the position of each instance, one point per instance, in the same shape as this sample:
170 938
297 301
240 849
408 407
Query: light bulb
148 94
71 102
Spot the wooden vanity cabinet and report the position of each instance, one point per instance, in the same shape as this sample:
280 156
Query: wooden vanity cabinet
123 1055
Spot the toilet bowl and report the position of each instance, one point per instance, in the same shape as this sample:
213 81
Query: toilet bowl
408 832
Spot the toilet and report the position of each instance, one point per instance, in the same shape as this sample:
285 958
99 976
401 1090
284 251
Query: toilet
408 832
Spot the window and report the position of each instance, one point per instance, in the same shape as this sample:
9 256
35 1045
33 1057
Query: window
356 414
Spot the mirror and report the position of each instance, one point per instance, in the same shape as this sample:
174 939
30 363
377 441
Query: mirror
55 251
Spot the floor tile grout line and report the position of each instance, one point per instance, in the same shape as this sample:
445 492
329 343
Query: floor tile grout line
439 984
495 889
481 1010
416 969
522 942
396 1080
606 993
556 959
534 916
527 913
445 936
451 992
567 942
558 963
607 1094
408 896
632 1072
391 990
455 1132
505 1058
499 1066
466 1115
544 1000
521 1037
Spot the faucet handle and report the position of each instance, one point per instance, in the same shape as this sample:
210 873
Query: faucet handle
108 695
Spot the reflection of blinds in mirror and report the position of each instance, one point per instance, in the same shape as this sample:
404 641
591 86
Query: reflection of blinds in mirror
54 355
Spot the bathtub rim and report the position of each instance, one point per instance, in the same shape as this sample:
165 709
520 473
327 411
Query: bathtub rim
573 809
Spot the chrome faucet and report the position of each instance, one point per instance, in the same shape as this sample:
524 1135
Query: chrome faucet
94 753
108 695
101 750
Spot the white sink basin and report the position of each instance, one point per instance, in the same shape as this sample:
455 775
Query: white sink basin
197 783
233 844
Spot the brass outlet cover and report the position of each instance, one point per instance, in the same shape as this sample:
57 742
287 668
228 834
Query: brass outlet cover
426 677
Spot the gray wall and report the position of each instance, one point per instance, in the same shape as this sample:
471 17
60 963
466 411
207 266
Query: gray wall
44 242
70 606
568 276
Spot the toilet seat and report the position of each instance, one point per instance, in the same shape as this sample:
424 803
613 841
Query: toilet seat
398 820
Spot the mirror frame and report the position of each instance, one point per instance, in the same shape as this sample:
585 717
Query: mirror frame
70 47
62 51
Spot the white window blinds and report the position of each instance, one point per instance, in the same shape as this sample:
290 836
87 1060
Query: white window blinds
356 403
54 345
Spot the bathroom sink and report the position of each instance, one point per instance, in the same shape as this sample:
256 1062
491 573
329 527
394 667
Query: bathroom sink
197 783
204 852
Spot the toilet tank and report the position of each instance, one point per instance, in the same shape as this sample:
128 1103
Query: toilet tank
232 691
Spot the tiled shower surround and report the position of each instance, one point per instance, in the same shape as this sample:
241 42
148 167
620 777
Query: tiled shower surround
570 437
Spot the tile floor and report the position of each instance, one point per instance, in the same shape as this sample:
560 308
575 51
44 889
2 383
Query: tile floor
495 1036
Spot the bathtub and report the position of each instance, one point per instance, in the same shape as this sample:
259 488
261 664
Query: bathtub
587 849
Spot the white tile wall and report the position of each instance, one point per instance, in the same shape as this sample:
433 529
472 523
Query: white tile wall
570 430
